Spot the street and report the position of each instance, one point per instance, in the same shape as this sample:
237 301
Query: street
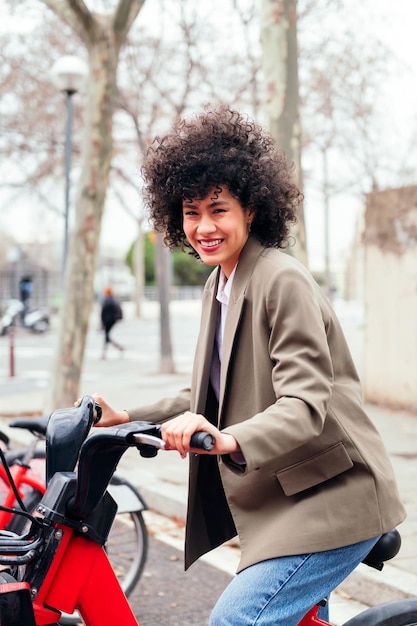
168 596
34 354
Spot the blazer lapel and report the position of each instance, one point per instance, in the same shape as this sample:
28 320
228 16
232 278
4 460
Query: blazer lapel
204 350
244 270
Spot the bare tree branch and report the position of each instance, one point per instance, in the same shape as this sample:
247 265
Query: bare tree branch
76 15
125 14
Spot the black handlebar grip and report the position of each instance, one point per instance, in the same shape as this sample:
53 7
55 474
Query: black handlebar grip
202 440
98 412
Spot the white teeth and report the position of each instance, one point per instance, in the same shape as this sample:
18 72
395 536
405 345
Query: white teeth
209 244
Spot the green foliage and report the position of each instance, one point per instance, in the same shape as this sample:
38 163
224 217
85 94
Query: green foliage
129 257
149 261
149 251
187 270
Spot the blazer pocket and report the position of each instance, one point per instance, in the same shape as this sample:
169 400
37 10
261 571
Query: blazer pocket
315 470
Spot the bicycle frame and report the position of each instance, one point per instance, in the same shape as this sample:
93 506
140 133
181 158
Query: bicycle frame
81 577
126 497
72 571
22 476
311 619
83 562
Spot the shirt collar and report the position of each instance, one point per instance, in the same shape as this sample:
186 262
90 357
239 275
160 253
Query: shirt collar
224 287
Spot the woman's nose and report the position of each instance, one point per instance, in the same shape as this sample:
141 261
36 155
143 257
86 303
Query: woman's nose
206 225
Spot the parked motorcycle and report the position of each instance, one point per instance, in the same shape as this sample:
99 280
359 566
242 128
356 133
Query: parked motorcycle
36 320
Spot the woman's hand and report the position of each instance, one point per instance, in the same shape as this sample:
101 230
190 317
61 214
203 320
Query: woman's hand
177 434
109 416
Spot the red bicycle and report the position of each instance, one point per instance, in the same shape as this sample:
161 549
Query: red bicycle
28 470
61 565
23 484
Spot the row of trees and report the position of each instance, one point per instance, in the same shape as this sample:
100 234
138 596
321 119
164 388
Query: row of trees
147 67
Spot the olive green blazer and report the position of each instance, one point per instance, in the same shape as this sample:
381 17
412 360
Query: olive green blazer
317 475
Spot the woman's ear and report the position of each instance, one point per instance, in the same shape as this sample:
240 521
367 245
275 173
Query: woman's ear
251 216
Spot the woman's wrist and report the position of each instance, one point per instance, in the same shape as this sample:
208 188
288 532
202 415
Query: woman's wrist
229 444
124 417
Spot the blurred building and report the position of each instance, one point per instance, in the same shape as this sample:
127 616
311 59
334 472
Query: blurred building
39 266
390 356
24 277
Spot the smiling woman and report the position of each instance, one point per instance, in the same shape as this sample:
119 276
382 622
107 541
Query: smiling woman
273 382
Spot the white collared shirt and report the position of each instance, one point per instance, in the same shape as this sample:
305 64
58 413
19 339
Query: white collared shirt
224 290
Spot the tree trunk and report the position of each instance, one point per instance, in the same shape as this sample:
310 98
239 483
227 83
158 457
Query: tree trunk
163 276
280 67
79 281
103 36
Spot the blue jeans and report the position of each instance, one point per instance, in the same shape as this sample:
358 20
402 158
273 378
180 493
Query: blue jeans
279 592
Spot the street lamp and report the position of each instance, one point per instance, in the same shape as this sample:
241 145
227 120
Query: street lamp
68 75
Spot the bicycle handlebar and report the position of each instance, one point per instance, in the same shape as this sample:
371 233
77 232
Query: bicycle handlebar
102 451
200 439
74 496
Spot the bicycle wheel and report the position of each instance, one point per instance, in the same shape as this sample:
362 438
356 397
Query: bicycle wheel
127 549
397 613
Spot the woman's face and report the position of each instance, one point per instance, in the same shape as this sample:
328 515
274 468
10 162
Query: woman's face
217 228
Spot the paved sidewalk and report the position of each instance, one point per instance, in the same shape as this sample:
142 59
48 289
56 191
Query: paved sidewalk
133 380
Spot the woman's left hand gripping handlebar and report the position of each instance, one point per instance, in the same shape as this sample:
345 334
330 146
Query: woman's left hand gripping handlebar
177 434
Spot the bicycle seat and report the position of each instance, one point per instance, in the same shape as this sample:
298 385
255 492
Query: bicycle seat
4 438
387 546
35 425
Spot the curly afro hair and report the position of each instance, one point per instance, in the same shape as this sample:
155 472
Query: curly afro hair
220 147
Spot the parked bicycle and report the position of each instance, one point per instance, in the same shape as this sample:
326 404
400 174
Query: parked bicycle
27 481
60 564
127 544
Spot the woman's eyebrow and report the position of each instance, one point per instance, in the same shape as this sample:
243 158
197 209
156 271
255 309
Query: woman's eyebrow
214 202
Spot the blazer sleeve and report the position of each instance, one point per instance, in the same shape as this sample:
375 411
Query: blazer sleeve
162 410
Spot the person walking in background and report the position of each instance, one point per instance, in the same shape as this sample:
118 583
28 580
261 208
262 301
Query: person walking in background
111 312
25 288
298 470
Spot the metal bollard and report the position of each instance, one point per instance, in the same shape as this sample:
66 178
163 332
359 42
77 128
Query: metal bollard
11 351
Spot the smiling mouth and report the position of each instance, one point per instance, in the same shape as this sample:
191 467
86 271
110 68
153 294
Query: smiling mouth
211 243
